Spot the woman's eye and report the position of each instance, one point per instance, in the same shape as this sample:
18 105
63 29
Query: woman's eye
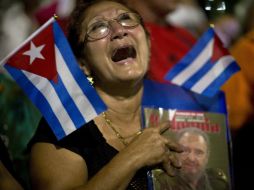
124 17
98 27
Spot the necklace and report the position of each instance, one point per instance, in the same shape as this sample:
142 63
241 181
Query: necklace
118 135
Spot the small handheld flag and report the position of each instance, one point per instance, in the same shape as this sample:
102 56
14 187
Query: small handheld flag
46 69
205 68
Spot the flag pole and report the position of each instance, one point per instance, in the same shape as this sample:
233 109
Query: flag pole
3 61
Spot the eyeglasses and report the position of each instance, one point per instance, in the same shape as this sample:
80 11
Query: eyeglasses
100 29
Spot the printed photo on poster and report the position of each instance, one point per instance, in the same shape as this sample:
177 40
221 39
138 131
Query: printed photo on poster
205 159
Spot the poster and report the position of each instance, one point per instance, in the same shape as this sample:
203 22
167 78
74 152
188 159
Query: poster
205 161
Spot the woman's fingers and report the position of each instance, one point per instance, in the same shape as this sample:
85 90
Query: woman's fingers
163 127
168 168
167 163
174 146
156 147
171 163
175 162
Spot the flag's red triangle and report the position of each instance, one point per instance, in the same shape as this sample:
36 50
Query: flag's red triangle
218 49
42 62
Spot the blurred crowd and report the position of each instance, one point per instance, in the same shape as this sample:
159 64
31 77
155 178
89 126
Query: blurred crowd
233 22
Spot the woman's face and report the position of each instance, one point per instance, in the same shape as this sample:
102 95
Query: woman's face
123 55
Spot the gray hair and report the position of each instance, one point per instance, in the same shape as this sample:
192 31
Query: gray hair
195 131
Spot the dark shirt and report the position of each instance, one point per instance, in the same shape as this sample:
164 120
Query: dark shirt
5 158
7 162
89 143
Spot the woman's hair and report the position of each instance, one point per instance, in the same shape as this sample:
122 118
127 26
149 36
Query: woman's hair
75 24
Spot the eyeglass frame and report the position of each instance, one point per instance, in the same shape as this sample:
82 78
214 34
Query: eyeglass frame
109 27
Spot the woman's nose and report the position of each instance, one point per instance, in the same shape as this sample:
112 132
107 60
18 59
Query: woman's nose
117 30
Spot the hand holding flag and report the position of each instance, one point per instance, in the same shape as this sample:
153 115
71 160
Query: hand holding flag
205 68
46 69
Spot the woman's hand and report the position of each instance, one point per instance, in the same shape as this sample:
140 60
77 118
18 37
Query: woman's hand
152 148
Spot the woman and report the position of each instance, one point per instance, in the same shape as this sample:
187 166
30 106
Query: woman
110 152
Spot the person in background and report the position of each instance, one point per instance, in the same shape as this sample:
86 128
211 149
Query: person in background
190 15
61 8
193 174
16 24
239 93
111 152
169 43
8 176
242 50
18 116
227 27
221 15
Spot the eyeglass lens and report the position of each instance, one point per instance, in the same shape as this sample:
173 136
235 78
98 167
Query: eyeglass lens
101 28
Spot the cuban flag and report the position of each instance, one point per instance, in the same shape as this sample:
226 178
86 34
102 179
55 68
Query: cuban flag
46 69
205 68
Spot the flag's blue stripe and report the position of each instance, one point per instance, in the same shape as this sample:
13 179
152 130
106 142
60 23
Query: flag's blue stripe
212 89
68 103
191 55
38 99
168 96
198 75
78 74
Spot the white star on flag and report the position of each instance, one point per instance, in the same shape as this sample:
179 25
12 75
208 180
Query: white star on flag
34 52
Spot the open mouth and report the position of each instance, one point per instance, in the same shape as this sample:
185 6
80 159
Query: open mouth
123 53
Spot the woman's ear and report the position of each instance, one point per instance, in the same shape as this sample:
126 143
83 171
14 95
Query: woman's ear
84 67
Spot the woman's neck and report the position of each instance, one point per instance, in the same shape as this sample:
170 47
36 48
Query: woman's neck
122 99
124 114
